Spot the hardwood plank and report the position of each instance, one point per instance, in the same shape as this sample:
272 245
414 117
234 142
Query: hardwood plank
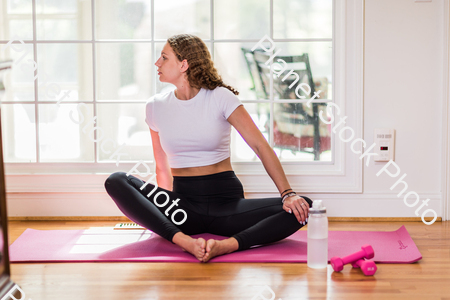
426 279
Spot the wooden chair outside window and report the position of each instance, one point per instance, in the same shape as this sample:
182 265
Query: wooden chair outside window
296 126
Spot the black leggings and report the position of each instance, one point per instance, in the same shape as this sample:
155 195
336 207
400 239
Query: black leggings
212 203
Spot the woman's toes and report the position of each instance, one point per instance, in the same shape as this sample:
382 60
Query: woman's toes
200 244
210 244
210 250
198 248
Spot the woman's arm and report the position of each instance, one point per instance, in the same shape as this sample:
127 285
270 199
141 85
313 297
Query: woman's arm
163 173
244 124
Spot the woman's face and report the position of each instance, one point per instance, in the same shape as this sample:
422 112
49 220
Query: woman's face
169 67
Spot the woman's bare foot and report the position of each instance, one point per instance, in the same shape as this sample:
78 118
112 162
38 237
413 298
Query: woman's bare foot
196 247
215 248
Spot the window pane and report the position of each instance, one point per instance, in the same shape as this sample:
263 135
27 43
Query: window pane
299 134
123 19
57 6
320 56
61 139
302 19
235 19
123 124
124 71
17 20
181 16
18 132
19 6
238 69
63 20
20 29
19 82
240 150
65 68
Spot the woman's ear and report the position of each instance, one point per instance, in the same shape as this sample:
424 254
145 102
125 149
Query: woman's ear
184 65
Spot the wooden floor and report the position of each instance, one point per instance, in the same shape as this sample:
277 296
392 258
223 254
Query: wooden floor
427 279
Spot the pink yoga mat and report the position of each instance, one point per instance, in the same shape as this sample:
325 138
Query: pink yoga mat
103 244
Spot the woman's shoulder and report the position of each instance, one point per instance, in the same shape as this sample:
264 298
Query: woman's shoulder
158 98
222 94
226 101
223 91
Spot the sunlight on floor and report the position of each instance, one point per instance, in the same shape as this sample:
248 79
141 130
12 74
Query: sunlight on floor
102 239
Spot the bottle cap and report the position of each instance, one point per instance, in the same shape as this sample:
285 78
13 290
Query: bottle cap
317 207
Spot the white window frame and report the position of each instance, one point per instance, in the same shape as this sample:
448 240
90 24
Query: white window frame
342 175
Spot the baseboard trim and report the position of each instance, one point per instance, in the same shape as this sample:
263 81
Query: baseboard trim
125 219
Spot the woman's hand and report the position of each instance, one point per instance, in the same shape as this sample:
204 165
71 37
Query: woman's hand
298 206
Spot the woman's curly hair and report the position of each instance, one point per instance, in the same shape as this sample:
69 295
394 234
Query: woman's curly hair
201 72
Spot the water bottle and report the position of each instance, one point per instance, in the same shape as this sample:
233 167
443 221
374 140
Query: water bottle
317 255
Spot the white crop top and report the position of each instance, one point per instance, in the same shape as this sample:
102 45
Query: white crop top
193 132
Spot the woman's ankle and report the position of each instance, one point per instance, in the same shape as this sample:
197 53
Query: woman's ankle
180 238
232 244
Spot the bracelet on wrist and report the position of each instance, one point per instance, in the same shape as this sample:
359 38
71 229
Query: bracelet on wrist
287 196
285 192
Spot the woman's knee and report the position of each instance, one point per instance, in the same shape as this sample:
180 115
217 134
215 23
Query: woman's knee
115 179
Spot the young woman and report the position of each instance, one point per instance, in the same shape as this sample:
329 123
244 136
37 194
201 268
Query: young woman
190 130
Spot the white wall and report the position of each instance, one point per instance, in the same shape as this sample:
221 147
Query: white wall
403 87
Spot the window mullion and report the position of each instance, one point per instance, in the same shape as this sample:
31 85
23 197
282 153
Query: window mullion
271 141
35 81
94 79
153 47
333 73
271 20
211 12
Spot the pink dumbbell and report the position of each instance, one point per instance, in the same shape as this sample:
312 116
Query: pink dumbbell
368 267
338 263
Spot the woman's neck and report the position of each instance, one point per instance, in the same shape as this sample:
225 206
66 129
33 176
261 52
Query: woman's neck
186 92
